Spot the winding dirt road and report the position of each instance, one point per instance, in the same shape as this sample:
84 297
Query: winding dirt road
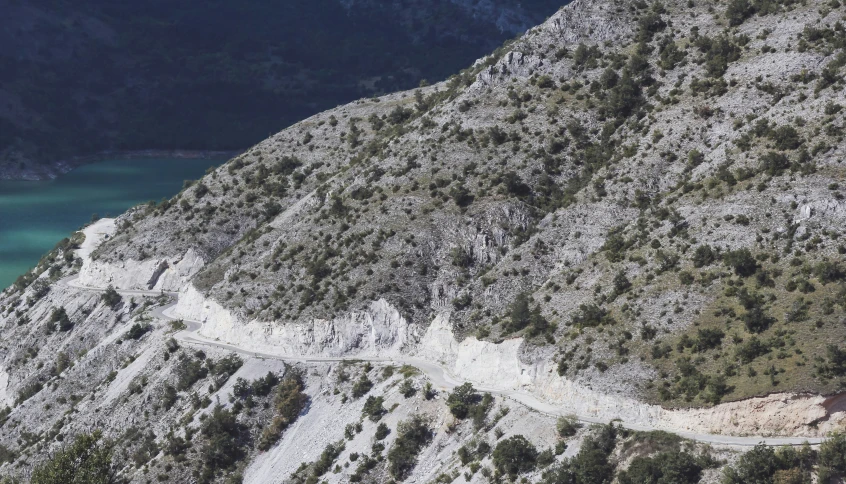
439 377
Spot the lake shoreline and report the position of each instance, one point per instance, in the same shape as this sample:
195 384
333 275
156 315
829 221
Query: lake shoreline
56 169
35 215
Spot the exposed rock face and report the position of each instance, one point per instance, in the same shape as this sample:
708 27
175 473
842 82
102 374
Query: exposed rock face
499 366
514 64
168 274
381 332
378 331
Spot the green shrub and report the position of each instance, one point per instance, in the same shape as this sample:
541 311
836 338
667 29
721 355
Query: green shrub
591 465
362 386
608 79
704 256
757 320
763 464
376 123
147 447
7 455
718 52
88 460
169 396
545 82
650 23
28 391
829 272
515 455
227 365
60 317
63 362
262 387
327 457
462 398
111 297
225 439
621 283
675 467
786 138
567 426
373 408
289 400
407 388
189 372
832 457
461 195
412 436
175 446
835 365
738 11
705 340
201 191
382 431
751 349
695 158
137 331
585 56
400 115
616 245
515 185
521 316
624 98
591 315
741 261
479 412
774 163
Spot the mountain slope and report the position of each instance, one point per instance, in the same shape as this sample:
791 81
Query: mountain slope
686 197
634 211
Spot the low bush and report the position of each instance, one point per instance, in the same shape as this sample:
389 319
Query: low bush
111 297
591 465
382 431
289 402
704 256
189 372
137 331
677 467
567 426
373 408
87 460
765 464
412 436
741 261
224 440
515 455
361 387
591 315
832 457
59 318
462 400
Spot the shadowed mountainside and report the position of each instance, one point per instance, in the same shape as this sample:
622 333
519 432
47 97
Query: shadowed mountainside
79 78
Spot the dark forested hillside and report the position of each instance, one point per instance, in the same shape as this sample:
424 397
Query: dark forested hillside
78 78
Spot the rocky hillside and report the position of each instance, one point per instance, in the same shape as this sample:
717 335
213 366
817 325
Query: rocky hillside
632 212
81 78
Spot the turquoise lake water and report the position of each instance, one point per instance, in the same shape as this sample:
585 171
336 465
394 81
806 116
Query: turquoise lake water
34 216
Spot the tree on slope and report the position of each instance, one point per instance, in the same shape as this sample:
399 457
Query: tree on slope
88 460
